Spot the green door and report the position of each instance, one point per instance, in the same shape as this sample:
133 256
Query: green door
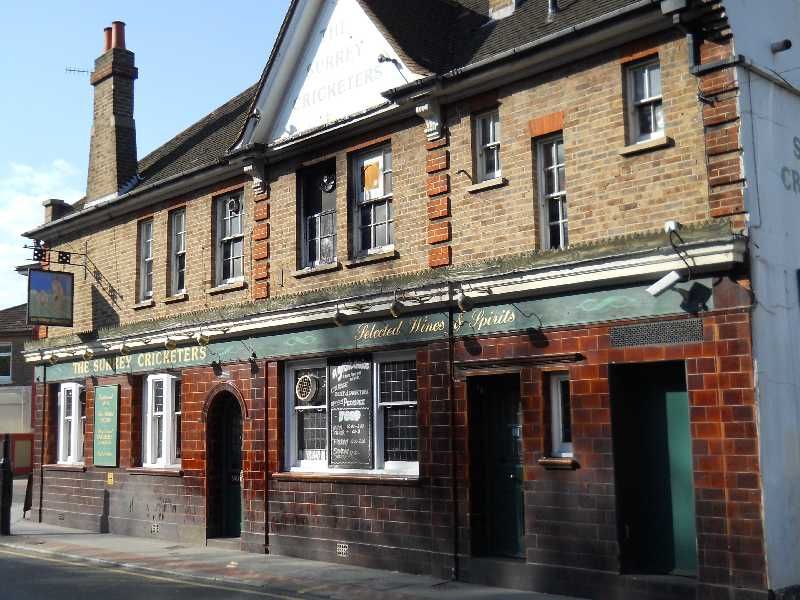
232 470
653 463
496 474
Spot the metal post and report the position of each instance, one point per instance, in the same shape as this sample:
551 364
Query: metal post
6 487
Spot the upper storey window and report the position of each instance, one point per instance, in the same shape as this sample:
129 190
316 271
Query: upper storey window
145 260
374 214
177 241
230 239
646 114
5 363
552 192
318 215
487 145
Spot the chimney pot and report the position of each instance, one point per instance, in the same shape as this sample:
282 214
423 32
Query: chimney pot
107 39
552 9
118 34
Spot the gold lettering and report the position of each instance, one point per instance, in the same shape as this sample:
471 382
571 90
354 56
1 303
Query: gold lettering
203 352
173 357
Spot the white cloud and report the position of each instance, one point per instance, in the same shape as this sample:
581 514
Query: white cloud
23 188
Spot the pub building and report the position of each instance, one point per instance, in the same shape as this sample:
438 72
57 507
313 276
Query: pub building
458 299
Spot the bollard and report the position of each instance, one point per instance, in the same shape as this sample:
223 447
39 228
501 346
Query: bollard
6 487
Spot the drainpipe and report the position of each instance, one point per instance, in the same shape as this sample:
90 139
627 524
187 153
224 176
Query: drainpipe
453 453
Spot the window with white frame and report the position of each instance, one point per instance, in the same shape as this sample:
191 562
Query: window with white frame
6 351
552 193
71 422
230 239
145 259
646 113
317 187
394 395
161 445
487 145
560 415
177 242
374 214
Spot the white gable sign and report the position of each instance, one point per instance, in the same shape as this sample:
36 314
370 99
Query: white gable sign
345 66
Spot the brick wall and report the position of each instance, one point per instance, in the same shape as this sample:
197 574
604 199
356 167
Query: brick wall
608 194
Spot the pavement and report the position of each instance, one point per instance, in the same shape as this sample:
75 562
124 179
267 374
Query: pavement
292 577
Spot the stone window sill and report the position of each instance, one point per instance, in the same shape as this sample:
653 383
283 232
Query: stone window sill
387 254
155 471
308 271
372 478
489 184
656 144
227 287
566 463
76 468
176 298
144 304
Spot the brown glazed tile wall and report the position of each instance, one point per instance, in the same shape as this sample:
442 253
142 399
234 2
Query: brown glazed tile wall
570 515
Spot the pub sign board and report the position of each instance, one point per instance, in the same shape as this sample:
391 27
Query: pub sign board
350 413
50 298
106 425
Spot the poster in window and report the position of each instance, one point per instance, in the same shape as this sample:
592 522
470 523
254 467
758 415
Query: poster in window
50 296
350 413
372 177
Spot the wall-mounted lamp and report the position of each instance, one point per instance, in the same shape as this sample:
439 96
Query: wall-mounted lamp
52 359
463 301
170 344
201 338
396 308
339 317
88 354
124 349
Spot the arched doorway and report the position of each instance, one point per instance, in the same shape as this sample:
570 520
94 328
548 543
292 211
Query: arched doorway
224 467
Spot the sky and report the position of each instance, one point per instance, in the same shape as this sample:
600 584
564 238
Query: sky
192 56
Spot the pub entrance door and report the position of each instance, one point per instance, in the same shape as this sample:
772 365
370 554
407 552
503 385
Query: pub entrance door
496 474
224 464
653 464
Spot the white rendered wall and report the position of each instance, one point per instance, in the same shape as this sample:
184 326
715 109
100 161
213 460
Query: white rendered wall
758 23
771 137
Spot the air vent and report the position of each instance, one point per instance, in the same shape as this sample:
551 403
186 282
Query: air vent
343 550
658 334
154 529
306 388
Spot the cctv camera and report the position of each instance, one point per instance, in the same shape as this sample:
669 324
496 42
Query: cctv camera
665 283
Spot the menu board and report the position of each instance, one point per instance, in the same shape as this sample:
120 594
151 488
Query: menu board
106 421
350 413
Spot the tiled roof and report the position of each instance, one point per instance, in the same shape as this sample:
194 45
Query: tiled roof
442 35
432 36
202 144
14 319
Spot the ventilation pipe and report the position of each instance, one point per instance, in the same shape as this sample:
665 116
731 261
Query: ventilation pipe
552 9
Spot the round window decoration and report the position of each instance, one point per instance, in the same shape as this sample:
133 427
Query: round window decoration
327 183
234 206
306 388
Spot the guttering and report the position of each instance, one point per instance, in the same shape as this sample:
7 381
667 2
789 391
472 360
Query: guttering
409 89
706 257
135 199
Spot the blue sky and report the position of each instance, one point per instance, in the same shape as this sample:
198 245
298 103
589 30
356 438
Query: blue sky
192 56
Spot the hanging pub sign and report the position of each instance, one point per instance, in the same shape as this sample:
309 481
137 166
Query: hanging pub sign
50 295
106 425
350 413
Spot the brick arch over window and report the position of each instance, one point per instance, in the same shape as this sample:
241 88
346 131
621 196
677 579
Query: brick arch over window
216 391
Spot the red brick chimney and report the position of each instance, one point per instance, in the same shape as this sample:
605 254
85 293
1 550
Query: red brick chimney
112 151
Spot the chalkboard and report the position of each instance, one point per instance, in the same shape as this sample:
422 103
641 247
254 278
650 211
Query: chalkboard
106 425
350 413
